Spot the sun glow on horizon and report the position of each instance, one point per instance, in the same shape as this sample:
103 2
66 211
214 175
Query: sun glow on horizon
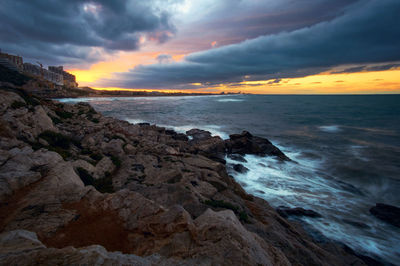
347 83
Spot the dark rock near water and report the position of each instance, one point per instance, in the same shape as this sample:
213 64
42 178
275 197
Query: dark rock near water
286 212
387 213
144 124
198 134
175 135
240 168
246 143
237 157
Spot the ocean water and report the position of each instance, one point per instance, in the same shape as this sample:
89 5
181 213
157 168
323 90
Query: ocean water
346 151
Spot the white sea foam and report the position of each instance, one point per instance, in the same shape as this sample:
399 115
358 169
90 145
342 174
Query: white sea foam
229 100
330 129
303 184
135 121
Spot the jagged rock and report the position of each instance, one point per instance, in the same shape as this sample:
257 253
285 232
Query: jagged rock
198 134
240 168
115 146
246 143
22 247
104 167
237 157
158 199
228 234
387 213
129 149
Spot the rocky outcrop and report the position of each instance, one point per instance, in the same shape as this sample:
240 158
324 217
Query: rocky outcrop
81 188
387 213
246 143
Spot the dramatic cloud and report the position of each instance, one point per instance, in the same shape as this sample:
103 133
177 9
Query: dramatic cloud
367 32
74 30
164 58
368 68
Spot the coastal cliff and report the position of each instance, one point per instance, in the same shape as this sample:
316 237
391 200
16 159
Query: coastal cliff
80 188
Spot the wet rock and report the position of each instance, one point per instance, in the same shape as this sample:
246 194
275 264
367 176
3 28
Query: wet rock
180 136
246 143
240 168
286 212
144 124
237 157
198 134
387 213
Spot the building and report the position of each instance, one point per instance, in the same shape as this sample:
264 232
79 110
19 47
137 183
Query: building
54 74
37 71
12 62
69 79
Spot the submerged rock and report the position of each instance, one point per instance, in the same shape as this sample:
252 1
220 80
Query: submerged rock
237 157
240 168
286 212
387 213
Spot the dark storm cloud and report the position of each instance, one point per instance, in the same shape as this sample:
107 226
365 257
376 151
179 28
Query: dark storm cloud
251 19
164 58
70 29
367 68
367 32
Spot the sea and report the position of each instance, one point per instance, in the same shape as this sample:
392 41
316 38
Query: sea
345 151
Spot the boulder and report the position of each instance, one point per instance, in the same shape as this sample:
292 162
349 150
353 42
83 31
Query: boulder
237 157
198 134
246 143
240 168
387 213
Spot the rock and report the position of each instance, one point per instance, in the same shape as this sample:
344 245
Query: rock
129 149
237 157
198 134
114 146
181 137
159 205
21 247
286 212
103 168
171 151
228 234
246 143
387 213
240 168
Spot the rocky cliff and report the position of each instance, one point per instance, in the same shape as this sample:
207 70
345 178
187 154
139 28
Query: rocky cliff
80 188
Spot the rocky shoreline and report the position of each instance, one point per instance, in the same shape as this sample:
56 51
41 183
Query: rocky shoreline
80 188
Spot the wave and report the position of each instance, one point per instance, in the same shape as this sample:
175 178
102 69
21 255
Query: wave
330 129
229 100
303 183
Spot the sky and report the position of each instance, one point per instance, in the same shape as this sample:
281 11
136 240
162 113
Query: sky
252 46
